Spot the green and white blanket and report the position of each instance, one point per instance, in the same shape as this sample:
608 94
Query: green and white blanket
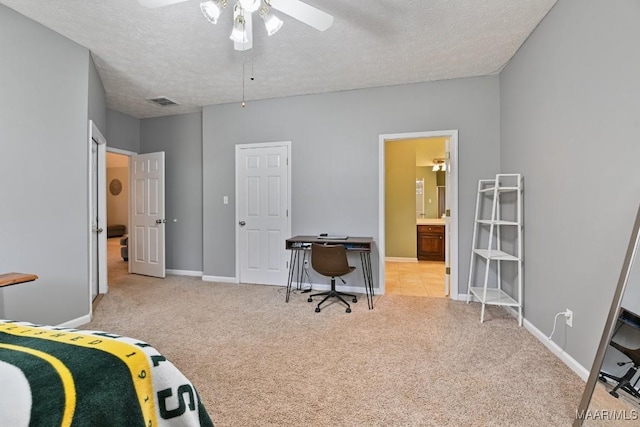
51 376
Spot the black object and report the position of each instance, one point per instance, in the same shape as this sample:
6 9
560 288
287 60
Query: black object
629 320
624 382
124 248
116 230
331 261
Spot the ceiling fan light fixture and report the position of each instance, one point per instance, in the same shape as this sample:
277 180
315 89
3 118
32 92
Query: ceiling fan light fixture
238 34
242 34
250 5
271 22
212 9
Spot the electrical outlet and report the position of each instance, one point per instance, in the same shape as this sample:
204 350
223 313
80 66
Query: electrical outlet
568 315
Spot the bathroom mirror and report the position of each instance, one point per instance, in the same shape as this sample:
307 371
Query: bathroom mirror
611 394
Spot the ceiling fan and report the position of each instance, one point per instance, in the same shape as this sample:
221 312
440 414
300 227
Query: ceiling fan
242 33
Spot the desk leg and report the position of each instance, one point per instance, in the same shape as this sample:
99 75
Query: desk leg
365 259
301 270
292 262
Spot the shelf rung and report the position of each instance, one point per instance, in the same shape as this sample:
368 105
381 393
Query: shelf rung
500 189
495 254
486 190
494 296
489 222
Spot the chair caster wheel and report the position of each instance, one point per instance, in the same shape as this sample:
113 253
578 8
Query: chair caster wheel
348 310
355 299
317 309
309 299
614 394
603 379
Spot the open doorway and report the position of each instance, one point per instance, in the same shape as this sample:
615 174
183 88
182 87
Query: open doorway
417 217
117 182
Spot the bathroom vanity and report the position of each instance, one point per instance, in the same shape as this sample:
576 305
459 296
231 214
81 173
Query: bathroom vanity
431 239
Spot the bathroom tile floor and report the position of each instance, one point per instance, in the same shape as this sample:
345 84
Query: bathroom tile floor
422 278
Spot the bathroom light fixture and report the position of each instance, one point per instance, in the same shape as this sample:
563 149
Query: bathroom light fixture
439 165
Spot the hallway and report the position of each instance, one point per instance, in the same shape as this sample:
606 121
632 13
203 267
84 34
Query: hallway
116 265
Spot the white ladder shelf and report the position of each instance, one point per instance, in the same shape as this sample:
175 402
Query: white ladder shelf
490 245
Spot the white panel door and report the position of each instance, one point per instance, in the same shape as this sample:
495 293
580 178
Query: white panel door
97 212
262 195
147 233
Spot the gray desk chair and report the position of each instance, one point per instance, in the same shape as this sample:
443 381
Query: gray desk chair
331 261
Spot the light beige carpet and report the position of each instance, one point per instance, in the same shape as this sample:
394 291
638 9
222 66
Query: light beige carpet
410 361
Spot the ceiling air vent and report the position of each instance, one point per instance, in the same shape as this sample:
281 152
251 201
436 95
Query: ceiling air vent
162 101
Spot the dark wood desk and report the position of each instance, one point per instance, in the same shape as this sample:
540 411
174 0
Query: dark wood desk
298 246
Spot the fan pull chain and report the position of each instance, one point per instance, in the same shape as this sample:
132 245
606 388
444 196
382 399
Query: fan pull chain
252 64
243 103
243 58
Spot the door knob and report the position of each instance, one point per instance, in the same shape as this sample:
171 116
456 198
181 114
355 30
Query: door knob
242 223
99 230
160 221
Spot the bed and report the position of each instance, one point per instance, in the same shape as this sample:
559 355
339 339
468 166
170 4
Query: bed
53 376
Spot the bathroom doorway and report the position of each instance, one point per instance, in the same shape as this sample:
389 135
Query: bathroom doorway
418 243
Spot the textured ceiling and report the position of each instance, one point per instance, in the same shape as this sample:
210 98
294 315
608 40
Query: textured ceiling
173 51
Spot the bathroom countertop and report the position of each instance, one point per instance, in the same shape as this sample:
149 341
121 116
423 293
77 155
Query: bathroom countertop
430 221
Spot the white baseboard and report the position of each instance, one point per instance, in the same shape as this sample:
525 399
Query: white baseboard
554 348
400 259
220 279
185 273
463 297
74 323
572 363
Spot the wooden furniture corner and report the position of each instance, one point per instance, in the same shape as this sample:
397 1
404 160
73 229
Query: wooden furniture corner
9 279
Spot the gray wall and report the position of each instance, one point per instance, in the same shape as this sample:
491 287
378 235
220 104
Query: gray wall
180 137
122 131
335 155
97 99
44 82
569 122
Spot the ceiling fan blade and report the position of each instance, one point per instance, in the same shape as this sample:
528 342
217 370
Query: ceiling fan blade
304 13
158 3
248 27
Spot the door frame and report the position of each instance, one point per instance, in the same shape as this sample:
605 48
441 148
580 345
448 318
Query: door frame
239 147
451 187
101 170
128 154
103 285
